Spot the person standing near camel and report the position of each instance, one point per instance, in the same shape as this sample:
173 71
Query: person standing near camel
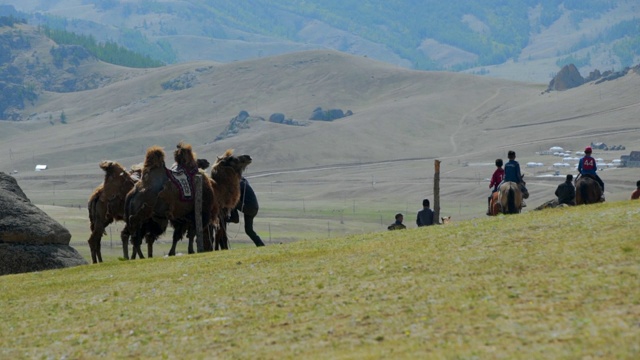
425 216
248 205
636 194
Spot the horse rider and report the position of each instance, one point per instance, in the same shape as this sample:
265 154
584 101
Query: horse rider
496 180
566 192
588 166
512 173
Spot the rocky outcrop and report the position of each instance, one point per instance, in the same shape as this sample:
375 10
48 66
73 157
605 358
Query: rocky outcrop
280 118
243 121
568 78
30 240
328 115
239 122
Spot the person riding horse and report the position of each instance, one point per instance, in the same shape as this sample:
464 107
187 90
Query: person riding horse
587 166
512 173
496 180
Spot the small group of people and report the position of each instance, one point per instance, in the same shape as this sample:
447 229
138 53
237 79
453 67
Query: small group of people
511 172
425 217
565 192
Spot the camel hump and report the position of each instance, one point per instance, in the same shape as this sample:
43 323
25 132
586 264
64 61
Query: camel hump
154 157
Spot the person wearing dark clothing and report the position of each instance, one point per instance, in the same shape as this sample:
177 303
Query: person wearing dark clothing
248 205
425 216
636 194
512 173
398 225
512 169
566 192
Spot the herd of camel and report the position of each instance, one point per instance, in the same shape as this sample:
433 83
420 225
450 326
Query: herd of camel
150 197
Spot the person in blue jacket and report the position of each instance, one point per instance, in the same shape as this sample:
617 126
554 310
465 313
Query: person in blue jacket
512 173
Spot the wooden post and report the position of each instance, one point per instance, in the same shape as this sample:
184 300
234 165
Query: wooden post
198 212
436 193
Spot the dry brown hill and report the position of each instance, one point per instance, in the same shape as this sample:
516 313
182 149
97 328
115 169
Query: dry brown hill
381 157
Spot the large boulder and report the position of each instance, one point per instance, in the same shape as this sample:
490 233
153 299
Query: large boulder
30 240
568 78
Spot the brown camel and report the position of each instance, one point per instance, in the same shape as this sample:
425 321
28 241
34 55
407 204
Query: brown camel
160 198
226 174
106 205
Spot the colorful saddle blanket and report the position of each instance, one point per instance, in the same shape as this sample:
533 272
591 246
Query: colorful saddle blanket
184 181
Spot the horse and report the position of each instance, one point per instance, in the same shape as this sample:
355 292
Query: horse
588 191
495 207
510 197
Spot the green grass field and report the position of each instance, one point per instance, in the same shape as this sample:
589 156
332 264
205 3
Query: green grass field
560 283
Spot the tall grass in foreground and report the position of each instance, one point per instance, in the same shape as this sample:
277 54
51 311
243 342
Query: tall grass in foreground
561 283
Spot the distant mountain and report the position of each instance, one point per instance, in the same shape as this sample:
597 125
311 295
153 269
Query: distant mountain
525 40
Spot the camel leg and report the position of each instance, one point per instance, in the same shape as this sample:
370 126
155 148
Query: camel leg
223 240
149 247
207 238
191 233
124 236
178 232
137 243
94 243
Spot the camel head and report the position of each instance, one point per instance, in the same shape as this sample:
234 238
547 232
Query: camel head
228 160
112 169
184 156
202 164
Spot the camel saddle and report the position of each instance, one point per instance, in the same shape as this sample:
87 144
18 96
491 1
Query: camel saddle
184 181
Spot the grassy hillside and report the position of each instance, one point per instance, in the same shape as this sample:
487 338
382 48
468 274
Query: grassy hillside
559 283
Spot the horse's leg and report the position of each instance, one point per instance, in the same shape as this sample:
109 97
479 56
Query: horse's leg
511 201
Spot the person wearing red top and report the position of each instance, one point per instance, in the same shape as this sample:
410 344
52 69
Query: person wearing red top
496 180
636 194
587 166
